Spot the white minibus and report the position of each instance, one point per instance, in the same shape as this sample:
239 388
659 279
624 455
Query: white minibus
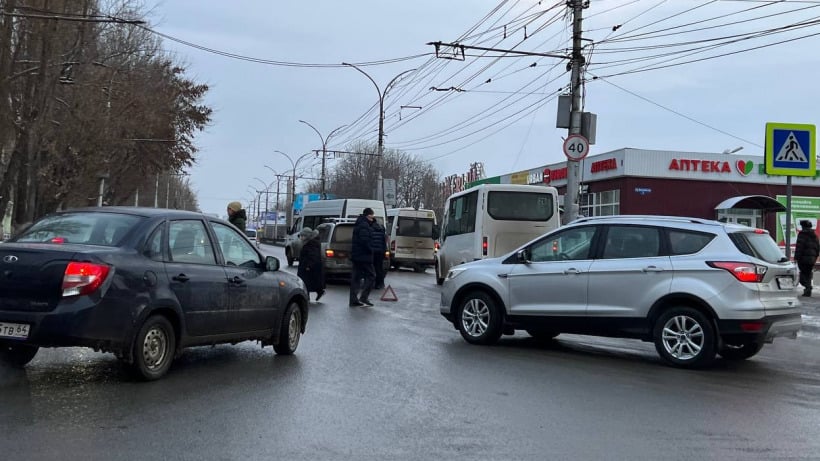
317 212
490 220
412 235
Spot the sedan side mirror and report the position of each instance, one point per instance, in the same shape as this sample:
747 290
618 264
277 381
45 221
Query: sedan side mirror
271 264
523 256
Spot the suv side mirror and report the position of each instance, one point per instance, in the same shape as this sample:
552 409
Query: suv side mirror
436 232
523 256
271 264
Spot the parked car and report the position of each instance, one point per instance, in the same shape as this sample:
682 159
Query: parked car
336 238
142 283
694 287
252 234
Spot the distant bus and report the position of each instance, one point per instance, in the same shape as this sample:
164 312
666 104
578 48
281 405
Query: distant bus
491 220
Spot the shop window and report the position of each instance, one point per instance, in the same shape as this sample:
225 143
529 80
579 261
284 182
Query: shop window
605 203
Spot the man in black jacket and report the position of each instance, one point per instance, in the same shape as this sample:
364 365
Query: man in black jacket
805 254
362 256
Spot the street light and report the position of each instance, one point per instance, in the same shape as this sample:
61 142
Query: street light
276 220
382 95
266 189
732 151
324 148
293 180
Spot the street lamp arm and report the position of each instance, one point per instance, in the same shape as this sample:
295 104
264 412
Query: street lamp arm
314 129
333 132
286 156
378 90
396 79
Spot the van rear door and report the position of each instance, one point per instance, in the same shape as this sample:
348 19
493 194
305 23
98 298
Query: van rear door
413 241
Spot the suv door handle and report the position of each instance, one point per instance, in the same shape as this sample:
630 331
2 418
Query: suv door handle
180 278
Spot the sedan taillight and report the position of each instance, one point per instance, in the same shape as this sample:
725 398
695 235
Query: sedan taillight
745 272
83 278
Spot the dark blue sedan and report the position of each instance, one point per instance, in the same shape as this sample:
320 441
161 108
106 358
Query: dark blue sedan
142 283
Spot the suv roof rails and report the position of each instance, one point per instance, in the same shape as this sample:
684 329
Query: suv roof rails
652 217
339 220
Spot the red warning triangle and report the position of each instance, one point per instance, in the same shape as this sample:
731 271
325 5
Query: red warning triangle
393 296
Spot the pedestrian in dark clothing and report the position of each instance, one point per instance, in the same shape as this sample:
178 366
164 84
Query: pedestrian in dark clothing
237 216
379 247
805 254
361 281
310 262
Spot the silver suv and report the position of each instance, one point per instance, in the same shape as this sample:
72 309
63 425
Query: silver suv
694 287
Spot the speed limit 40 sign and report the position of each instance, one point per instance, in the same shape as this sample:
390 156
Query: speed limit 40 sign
576 147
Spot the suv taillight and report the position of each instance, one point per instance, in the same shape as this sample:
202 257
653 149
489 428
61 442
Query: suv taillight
745 272
83 278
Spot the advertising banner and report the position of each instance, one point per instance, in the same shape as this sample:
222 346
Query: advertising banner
803 208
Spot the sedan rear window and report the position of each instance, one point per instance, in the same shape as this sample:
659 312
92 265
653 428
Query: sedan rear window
88 228
758 245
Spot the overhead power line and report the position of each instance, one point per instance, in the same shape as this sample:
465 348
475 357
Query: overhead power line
272 62
679 114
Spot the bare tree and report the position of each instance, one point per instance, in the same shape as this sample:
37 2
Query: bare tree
355 175
81 101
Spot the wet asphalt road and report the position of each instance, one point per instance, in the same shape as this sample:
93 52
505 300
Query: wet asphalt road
396 381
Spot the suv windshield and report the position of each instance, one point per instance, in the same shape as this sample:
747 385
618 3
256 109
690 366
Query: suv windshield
90 228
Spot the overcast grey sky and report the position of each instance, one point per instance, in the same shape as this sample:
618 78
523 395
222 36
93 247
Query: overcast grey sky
508 123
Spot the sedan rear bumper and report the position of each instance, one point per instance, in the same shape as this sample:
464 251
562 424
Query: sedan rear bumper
77 322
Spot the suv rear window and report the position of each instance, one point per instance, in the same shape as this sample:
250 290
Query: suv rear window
758 245
342 234
89 228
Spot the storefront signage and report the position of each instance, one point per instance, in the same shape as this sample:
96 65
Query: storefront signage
552 175
744 167
704 166
536 177
643 190
604 165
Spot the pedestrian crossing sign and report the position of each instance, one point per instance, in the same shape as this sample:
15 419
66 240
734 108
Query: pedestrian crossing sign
790 149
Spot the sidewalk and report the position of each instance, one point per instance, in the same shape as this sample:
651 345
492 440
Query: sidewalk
811 309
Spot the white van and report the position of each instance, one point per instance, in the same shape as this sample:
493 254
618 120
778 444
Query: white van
412 235
490 220
318 211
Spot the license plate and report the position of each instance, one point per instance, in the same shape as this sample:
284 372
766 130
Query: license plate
785 283
13 330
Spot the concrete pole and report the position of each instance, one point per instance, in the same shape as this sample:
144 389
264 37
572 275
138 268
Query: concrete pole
571 208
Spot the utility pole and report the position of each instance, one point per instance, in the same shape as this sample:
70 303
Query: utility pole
571 209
